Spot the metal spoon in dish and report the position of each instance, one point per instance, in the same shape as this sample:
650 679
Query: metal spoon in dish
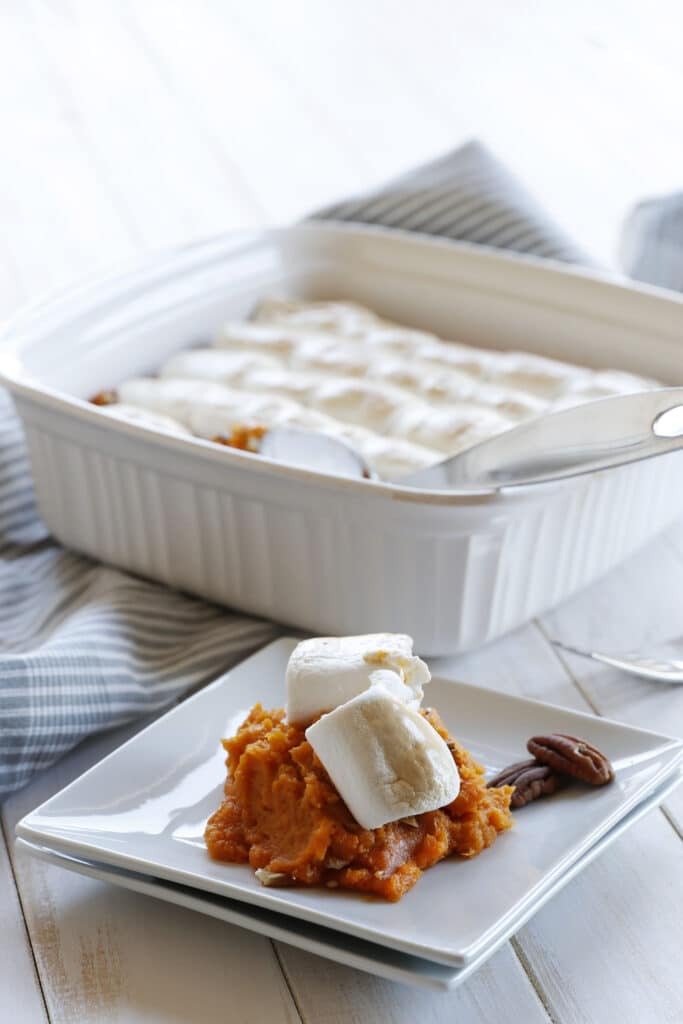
595 435
314 451
659 669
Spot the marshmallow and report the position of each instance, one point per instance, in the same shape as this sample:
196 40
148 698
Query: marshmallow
324 672
385 760
218 364
144 417
404 398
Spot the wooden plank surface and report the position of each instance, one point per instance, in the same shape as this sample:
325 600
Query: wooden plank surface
637 607
595 951
107 954
21 992
327 992
135 125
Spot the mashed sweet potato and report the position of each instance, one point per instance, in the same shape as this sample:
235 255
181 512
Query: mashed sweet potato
281 812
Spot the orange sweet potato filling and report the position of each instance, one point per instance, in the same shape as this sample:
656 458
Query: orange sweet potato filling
245 438
282 812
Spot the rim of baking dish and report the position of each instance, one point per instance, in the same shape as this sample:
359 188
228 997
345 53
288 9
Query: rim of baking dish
117 285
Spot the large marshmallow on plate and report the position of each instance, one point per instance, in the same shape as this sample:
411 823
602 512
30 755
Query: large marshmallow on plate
327 671
385 760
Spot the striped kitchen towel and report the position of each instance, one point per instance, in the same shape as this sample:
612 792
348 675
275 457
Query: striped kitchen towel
652 242
466 195
84 647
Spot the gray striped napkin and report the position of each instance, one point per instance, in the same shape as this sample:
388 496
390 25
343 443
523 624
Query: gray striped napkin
466 195
84 647
652 242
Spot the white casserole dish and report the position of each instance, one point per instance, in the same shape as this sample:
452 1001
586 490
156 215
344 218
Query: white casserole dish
311 550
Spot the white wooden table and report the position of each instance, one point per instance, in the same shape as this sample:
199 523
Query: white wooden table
127 126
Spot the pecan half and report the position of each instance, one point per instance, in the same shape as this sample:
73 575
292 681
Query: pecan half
531 779
570 755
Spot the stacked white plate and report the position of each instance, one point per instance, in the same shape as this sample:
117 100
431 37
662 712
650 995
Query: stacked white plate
137 818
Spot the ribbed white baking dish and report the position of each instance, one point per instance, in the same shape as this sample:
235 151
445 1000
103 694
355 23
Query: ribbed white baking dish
325 554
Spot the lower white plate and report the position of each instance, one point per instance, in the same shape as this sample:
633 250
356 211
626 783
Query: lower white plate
325 942
145 806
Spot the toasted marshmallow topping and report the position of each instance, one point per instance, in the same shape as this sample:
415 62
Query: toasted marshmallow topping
145 417
386 761
218 364
403 397
325 672
209 409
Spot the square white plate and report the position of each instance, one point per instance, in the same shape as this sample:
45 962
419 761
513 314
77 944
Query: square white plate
335 945
145 806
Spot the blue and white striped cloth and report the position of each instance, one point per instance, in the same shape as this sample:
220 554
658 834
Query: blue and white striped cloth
84 647
466 195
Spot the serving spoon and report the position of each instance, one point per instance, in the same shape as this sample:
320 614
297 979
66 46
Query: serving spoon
593 436
311 450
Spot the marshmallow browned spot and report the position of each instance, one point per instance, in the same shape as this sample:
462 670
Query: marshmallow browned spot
324 672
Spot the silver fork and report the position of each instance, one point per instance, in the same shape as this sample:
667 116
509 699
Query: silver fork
659 669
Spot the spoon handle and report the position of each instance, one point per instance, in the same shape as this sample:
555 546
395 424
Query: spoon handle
657 670
588 437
